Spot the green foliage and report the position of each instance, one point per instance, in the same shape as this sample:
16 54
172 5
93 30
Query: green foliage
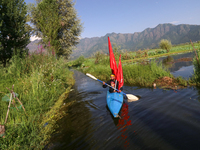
196 76
48 23
97 56
134 74
144 75
39 81
116 49
71 27
100 71
165 44
14 31
78 62
181 81
101 58
127 55
168 61
6 98
56 21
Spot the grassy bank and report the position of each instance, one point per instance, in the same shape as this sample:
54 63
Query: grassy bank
42 83
155 53
142 74
196 77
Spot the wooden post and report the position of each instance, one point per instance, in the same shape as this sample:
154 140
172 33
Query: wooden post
8 108
16 97
21 104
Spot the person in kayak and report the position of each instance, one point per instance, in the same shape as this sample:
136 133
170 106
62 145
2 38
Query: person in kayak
114 84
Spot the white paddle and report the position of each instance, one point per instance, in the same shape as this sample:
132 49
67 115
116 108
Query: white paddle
129 96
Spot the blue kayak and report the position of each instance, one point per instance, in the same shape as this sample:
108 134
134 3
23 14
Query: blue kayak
114 102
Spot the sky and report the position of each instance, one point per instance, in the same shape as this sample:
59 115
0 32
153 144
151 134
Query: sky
100 17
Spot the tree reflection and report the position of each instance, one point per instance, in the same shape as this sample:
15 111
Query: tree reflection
168 61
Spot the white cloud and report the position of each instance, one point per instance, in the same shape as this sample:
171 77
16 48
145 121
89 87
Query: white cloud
33 38
174 22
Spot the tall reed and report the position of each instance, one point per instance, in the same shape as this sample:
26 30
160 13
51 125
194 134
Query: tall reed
196 77
39 80
134 74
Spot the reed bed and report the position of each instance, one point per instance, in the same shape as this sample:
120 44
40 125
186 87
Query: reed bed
39 80
196 77
134 74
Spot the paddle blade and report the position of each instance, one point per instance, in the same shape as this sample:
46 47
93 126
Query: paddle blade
91 76
132 97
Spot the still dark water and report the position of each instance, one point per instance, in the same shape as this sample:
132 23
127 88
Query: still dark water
159 120
180 68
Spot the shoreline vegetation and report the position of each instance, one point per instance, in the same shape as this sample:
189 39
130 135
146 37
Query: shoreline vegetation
41 83
140 68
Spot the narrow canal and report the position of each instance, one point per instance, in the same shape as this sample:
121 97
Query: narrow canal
160 120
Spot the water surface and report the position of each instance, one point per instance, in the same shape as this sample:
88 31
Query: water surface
159 120
184 69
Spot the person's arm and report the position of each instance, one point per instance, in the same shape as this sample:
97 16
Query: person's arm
104 86
111 90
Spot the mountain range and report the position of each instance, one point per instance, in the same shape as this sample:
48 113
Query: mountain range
147 39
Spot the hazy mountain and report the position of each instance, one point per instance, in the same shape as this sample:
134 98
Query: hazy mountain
149 38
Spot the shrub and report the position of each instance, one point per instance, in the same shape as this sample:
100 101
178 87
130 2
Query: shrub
165 44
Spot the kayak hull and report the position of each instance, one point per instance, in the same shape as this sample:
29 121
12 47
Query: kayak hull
114 103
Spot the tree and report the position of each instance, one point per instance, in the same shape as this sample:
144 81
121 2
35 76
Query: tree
71 27
14 32
56 22
46 19
165 44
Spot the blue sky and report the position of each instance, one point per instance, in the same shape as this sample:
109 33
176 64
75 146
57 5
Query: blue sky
100 17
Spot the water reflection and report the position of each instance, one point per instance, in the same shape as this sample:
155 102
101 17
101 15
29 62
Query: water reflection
123 122
168 61
74 127
185 72
179 65
173 64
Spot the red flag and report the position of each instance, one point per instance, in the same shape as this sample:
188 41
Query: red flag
113 64
120 78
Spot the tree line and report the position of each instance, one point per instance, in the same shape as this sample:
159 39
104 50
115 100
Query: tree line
55 21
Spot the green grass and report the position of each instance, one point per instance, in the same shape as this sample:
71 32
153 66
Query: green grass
134 74
153 53
144 75
40 81
196 77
